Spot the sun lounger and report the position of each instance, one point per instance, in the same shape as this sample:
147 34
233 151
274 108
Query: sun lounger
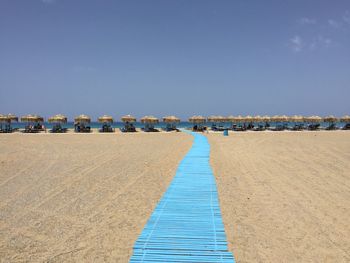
260 128
313 127
346 127
239 128
30 129
297 127
331 127
58 129
106 128
279 127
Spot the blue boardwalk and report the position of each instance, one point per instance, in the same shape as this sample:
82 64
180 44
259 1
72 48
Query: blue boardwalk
186 225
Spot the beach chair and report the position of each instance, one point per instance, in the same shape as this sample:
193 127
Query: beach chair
30 129
106 128
259 128
313 127
331 127
128 127
57 128
279 127
346 126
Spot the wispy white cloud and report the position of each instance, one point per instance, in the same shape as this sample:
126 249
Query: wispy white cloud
334 23
296 43
307 21
321 42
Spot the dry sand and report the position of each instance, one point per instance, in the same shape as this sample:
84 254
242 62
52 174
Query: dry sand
81 197
285 196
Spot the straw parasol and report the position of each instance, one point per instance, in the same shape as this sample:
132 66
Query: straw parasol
248 118
105 119
265 118
235 119
149 119
257 118
128 118
32 118
215 118
314 119
3 118
58 118
345 119
82 118
296 118
197 119
171 119
275 118
330 118
11 117
283 118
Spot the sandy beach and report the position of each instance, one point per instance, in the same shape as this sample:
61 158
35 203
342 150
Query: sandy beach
81 197
284 196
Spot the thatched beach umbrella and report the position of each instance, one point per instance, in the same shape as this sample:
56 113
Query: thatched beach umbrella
3 118
59 118
265 118
296 118
215 118
330 119
149 119
257 118
197 119
32 118
345 119
128 118
105 119
82 118
236 119
275 118
248 119
11 117
211 118
171 119
284 118
314 119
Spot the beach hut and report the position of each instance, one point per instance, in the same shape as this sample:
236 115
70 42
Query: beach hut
57 121
149 122
346 119
34 123
81 123
171 122
128 121
198 123
331 120
107 122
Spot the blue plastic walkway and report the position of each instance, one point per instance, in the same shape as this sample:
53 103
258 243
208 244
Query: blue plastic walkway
186 225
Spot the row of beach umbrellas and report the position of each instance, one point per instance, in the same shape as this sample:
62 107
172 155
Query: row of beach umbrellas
276 118
173 119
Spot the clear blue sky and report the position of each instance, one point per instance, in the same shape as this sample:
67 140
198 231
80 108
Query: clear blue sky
179 57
